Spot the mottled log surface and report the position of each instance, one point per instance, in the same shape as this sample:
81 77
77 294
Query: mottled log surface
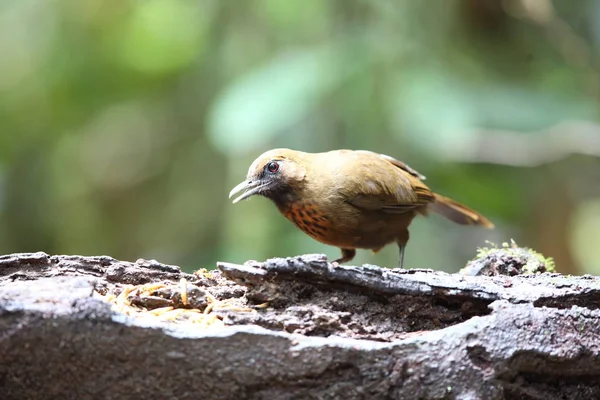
290 329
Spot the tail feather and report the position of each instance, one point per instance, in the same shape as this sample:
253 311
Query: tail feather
457 212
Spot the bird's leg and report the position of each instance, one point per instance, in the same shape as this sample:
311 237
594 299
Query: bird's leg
401 264
402 239
347 255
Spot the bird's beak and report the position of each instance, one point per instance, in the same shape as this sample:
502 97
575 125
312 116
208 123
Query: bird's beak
250 188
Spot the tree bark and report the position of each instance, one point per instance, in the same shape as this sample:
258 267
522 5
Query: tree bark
75 327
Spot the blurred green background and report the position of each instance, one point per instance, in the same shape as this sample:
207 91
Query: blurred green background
125 123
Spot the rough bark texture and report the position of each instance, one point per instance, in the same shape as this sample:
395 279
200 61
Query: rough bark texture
293 328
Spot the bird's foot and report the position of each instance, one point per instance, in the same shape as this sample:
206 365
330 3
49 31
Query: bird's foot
347 255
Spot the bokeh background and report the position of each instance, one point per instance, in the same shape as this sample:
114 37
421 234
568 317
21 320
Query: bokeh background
125 123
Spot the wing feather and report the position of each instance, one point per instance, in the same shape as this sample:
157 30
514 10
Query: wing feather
376 186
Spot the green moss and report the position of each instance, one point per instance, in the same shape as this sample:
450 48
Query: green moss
521 260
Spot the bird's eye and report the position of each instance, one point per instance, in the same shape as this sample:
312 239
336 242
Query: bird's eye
272 167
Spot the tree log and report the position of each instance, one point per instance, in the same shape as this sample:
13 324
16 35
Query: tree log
75 327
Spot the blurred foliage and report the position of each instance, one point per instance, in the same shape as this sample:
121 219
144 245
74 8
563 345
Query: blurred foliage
123 124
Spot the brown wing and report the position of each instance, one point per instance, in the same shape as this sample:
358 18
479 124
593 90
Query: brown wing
380 182
397 163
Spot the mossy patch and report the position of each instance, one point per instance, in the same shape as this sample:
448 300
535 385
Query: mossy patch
508 259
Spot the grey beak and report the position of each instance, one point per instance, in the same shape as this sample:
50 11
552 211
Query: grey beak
249 187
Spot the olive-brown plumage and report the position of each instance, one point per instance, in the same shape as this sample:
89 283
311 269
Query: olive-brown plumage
351 199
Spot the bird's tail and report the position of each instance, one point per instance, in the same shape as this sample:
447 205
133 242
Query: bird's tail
457 212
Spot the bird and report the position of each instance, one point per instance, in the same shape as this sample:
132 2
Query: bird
350 199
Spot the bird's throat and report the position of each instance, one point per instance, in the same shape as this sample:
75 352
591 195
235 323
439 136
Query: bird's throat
284 199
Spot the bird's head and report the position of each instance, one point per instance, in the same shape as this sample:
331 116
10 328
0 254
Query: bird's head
274 174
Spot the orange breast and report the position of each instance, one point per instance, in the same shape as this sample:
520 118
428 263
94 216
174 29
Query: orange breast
309 219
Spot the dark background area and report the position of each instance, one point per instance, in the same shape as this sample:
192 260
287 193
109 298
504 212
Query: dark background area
125 123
